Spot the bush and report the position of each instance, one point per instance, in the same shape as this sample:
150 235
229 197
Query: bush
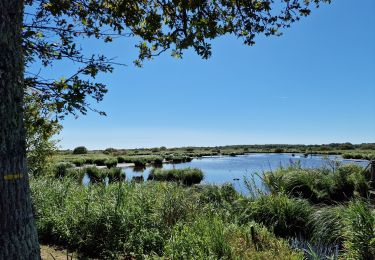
279 150
76 174
61 169
326 225
218 196
140 162
320 185
114 174
211 238
89 160
99 161
117 221
359 231
110 151
287 217
121 159
178 158
80 150
112 162
96 175
187 176
79 162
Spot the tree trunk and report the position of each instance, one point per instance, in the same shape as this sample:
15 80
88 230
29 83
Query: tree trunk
18 236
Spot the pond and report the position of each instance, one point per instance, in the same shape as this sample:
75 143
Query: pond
226 169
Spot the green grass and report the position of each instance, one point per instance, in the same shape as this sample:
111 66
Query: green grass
60 170
172 221
360 156
152 219
111 162
100 161
114 174
187 176
320 185
287 217
359 231
79 162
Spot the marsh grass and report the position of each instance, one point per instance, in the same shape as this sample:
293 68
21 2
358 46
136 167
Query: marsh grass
187 176
111 162
286 217
173 221
359 156
319 185
60 170
79 162
114 174
154 219
99 161
359 231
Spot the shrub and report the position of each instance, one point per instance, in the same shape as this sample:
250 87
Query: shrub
112 162
110 151
326 225
211 238
157 160
99 161
178 158
285 216
121 159
114 174
218 196
117 221
60 170
320 185
359 231
89 160
76 174
96 175
187 176
80 150
279 150
79 162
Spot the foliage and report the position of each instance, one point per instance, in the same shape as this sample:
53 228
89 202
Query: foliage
99 161
322 185
360 156
114 174
326 225
61 169
95 174
80 150
286 216
53 29
209 237
79 162
150 219
40 128
168 220
111 162
187 176
359 231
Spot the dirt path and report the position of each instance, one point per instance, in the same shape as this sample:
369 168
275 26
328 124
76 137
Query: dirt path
53 253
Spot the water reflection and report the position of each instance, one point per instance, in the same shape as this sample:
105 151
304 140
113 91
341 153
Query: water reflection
229 169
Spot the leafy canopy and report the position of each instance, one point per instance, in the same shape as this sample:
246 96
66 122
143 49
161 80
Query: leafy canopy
53 30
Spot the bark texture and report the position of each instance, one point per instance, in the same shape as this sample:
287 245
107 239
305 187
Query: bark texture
18 236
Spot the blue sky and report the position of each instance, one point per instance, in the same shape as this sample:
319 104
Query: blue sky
314 84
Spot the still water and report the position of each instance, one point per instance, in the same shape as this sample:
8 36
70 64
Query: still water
226 169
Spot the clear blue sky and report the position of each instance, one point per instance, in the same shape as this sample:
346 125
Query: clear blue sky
315 84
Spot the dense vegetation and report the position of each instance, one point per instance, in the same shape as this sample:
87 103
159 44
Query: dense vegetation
314 214
157 156
324 185
187 176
